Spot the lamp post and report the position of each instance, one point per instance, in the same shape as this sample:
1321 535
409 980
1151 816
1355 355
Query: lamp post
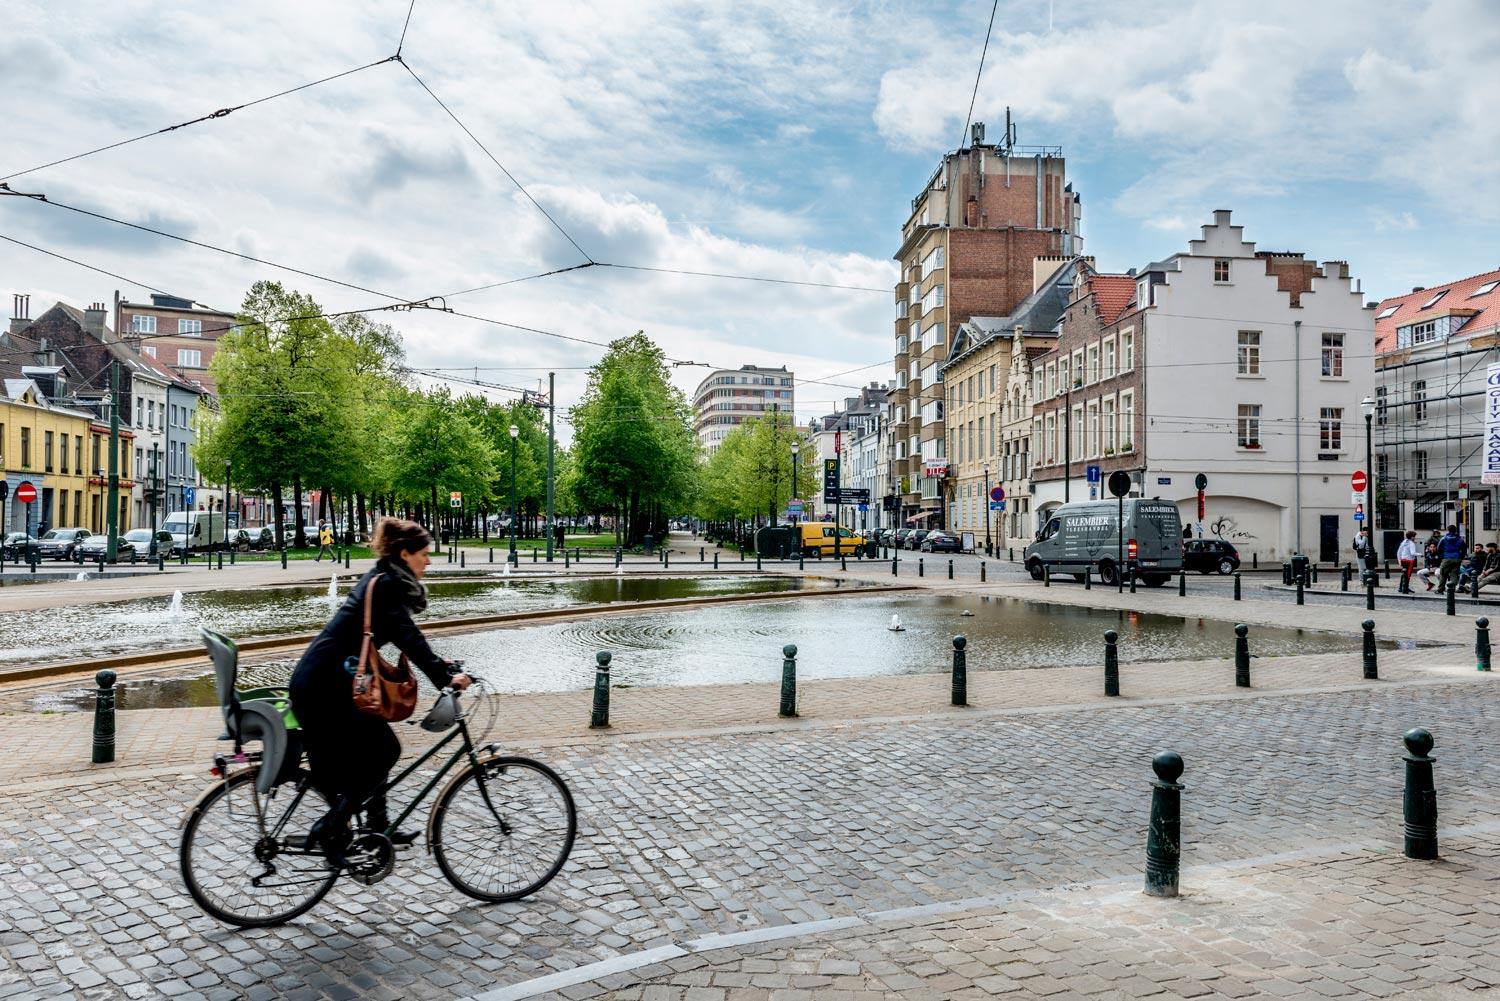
988 545
796 450
225 505
515 433
1367 407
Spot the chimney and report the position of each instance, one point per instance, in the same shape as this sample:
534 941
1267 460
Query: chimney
1221 217
1419 288
20 312
93 319
971 212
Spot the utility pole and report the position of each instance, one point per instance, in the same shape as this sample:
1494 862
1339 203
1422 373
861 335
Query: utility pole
113 520
551 449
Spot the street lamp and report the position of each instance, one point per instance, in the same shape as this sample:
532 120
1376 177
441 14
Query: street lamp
515 433
988 546
1367 407
796 449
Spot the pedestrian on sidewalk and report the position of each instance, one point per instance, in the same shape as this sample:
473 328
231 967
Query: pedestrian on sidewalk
1451 549
1407 554
325 542
1491 572
1364 551
350 753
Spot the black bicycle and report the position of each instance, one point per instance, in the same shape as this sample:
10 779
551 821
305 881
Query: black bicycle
500 829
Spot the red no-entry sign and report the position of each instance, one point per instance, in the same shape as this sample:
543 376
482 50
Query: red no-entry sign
1359 481
25 492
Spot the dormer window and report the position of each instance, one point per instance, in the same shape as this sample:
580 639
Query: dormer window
1434 300
1388 312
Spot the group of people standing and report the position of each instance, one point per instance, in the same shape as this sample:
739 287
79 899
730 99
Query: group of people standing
1445 559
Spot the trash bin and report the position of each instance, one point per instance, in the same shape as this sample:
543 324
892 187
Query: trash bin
1300 570
648 541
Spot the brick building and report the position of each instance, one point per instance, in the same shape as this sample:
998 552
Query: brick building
967 249
178 333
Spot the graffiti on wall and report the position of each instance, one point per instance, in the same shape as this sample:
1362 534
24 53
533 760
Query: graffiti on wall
1225 527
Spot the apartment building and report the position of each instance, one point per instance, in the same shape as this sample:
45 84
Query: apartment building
728 398
1247 366
178 333
1434 349
967 249
854 434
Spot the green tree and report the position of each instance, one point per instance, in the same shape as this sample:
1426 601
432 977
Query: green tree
438 450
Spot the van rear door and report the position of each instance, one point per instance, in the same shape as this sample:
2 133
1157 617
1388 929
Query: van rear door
1157 529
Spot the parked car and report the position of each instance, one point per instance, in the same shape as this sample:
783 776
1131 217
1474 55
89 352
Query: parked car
1210 556
150 542
58 543
90 549
1089 537
939 541
913 540
818 538
246 539
899 539
15 545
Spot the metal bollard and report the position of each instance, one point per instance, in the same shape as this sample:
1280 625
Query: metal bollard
461 556
981 572
1387 569
161 563
1011 552
1046 575
1088 578
920 571
1182 583
788 681
1254 561
1452 598
232 554
666 559
346 558
742 554
1314 573
801 560
1370 594
1236 585
702 555
1241 656
1111 663
600 718
492 554
104 718
893 566
1372 666
843 563
1419 801
716 559
960 671
1344 577
1130 571
950 569
567 561
1482 644
283 559
1299 589
101 564
757 559
221 561
1164 837
533 554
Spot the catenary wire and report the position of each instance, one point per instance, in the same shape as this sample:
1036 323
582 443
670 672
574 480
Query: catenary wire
743 278
221 113
406 24
962 139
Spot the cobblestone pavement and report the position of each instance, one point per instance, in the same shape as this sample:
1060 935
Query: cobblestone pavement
691 836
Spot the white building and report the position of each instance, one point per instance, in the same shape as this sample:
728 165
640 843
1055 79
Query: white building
730 397
1246 366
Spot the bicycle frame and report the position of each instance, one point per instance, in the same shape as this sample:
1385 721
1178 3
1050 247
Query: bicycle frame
460 731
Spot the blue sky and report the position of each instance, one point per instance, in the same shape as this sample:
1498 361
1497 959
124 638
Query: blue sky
780 138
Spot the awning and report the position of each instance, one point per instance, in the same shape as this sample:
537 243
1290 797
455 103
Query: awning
920 515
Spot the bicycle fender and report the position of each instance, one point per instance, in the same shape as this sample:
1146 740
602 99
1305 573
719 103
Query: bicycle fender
202 796
458 777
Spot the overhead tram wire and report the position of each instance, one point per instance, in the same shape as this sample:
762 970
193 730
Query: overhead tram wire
969 118
517 281
81 264
743 278
407 24
493 159
221 113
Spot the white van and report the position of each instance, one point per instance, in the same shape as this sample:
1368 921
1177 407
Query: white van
193 531
1083 535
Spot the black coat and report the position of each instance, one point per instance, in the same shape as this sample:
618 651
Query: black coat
320 674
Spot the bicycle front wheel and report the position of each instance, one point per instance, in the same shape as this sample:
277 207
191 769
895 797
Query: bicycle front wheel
244 857
503 830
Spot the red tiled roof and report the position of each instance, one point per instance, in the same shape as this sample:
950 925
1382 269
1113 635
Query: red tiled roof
1113 293
1459 298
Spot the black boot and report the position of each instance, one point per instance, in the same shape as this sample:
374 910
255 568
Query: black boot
377 820
331 833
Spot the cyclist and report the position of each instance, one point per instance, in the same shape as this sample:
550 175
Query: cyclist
350 753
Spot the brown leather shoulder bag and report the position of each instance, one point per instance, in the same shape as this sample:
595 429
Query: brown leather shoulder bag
381 690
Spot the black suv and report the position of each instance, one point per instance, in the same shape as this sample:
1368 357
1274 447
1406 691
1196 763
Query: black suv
1209 556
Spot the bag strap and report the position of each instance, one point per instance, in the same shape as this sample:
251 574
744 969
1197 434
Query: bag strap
369 602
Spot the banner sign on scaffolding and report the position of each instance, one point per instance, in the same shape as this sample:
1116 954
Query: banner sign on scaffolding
1491 472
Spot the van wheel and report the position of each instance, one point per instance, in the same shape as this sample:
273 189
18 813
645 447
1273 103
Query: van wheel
1035 569
1155 579
1107 574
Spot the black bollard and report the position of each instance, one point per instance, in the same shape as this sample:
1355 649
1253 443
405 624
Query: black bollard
960 671
346 558
1088 578
492 554
1372 667
1111 663
1314 573
283 559
221 561
567 562
801 560
893 566
843 563
1420 798
1131 572
104 718
981 572
1046 575
1254 561
1344 577
1370 594
1452 598
920 571
666 559
757 559
950 569
788 681
1241 656
161 563
533 554
1236 585
1299 589
1164 838
716 559
1482 644
461 556
1182 583
1010 552
232 554
600 718
702 555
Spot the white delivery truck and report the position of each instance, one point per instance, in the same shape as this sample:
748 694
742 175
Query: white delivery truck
1088 535
196 531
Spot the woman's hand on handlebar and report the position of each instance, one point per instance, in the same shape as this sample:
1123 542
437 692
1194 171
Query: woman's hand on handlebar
460 681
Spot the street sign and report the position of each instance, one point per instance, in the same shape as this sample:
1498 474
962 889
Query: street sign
187 497
1359 516
997 505
830 481
794 506
1359 481
852 495
1119 483
455 499
1164 481
1200 482
1093 474
997 494
1357 498
864 507
25 492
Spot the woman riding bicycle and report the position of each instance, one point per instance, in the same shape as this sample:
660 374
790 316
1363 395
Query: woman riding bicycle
350 753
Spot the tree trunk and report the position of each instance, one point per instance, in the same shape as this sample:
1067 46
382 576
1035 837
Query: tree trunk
280 508
299 534
363 528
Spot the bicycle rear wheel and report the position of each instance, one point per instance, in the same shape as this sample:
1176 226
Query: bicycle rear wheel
502 831
243 876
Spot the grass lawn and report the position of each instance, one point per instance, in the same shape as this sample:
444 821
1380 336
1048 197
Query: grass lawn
572 542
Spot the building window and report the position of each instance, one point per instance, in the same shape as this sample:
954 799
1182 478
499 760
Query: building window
1333 356
1078 427
1127 350
1434 300
1421 333
62 451
78 453
1127 421
1077 369
1092 425
190 328
1221 270
47 438
1382 467
1107 420
1484 289
140 412
1052 380
1380 405
1249 352
1388 312
1052 438
26 448
1093 366
1249 425
1419 465
189 359
1419 400
143 324
94 446
1331 429
1109 357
